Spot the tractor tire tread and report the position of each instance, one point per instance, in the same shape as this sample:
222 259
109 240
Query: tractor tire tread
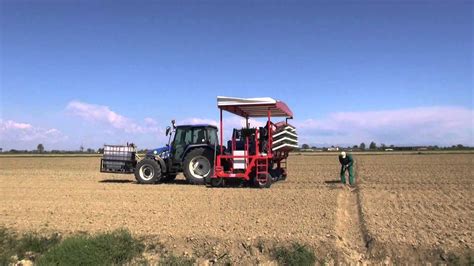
187 159
156 167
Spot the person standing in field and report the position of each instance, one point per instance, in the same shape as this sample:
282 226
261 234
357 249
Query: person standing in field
347 164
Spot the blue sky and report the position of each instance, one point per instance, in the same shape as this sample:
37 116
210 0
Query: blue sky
95 72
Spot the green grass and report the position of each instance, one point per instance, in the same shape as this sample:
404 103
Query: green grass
117 247
13 245
7 246
111 248
177 261
35 243
296 254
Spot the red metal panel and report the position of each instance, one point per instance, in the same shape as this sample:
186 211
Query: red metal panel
284 108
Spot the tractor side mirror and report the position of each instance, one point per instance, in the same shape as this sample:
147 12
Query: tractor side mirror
168 129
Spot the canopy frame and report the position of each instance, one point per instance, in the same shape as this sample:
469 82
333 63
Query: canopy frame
254 107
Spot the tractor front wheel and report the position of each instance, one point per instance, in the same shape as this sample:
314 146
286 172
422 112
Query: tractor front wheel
198 166
148 171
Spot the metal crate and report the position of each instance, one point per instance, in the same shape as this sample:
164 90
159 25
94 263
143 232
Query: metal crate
119 159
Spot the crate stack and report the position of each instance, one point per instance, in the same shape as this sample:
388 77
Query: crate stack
285 138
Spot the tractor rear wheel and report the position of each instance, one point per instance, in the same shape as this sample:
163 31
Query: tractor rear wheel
148 171
198 165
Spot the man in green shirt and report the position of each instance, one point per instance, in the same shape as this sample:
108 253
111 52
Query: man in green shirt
347 163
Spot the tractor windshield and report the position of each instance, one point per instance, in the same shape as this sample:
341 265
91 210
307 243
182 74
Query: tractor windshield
182 138
188 135
199 135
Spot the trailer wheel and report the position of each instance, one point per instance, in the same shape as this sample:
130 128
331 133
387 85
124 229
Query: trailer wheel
275 175
148 171
217 182
263 184
198 166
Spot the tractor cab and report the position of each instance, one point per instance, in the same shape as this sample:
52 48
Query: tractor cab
187 137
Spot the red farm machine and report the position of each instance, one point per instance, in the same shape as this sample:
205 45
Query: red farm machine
255 155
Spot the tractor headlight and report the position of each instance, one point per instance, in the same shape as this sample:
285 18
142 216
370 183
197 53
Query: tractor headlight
164 154
155 152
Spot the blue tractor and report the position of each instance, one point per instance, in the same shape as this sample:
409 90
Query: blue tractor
191 149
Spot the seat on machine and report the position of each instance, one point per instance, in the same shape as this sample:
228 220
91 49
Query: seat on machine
240 136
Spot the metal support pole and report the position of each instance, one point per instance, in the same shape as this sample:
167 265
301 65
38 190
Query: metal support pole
269 129
247 122
257 143
222 135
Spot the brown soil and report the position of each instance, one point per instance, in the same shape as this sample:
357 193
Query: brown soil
419 207
350 237
406 208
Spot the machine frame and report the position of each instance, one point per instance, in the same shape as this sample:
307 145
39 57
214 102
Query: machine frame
259 165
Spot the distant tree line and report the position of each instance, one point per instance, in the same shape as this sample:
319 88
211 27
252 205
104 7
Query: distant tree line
40 149
383 147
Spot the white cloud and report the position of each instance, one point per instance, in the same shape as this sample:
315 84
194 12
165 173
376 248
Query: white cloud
196 121
23 135
411 126
103 114
9 124
150 121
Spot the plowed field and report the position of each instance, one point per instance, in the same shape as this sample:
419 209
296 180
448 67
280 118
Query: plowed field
405 208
